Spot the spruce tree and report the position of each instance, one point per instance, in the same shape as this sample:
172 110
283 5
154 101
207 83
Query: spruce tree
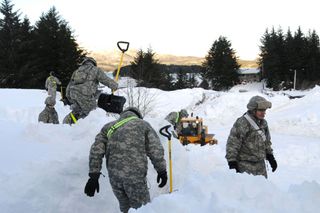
283 56
146 70
299 56
56 50
9 44
313 57
192 81
27 59
168 81
273 58
221 66
137 68
182 80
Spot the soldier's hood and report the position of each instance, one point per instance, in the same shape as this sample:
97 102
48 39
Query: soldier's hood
133 110
127 114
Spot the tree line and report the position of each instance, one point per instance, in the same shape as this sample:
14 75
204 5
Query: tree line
286 55
219 70
28 54
285 61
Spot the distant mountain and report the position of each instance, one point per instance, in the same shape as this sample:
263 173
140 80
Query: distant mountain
109 60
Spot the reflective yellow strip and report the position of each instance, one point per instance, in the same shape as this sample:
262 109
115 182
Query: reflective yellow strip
117 125
177 117
52 80
73 118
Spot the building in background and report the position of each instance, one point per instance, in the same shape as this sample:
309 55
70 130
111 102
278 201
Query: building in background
249 75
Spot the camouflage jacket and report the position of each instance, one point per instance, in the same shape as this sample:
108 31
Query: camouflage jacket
52 82
127 149
48 115
85 80
174 119
245 143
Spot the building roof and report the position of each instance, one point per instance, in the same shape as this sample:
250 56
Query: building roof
246 71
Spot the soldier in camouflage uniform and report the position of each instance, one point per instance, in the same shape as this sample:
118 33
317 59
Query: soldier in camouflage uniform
174 119
126 143
51 84
82 90
49 114
249 142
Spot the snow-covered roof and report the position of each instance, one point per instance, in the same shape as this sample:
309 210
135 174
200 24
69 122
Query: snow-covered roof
246 71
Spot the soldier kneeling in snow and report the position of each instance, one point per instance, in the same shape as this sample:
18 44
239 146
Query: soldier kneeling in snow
49 114
249 142
174 118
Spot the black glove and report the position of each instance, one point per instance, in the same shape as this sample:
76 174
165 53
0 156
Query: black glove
233 165
163 177
92 184
272 161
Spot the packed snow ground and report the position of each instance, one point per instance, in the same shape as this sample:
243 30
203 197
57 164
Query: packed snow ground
44 167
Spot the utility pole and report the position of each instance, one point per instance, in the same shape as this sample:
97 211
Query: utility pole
294 79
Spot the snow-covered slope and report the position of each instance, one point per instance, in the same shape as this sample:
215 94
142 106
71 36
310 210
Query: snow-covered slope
44 167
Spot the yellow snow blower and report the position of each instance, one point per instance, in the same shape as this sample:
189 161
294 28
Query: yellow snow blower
194 132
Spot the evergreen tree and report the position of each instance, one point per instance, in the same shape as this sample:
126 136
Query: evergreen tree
168 81
204 84
221 66
313 57
283 56
56 50
9 44
26 61
182 80
137 68
192 81
146 70
273 59
299 55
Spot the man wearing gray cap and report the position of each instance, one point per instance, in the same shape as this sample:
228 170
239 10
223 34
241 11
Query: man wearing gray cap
249 142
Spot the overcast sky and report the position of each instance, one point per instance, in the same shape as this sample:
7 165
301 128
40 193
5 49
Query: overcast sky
179 27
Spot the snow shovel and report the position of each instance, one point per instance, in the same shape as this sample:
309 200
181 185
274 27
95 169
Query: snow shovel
168 135
110 102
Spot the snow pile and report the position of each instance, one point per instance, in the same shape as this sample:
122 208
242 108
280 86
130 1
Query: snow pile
44 167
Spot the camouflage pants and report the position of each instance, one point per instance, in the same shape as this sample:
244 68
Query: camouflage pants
68 118
52 92
254 168
49 116
82 104
130 194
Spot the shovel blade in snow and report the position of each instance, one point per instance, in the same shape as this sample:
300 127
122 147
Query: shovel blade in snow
111 103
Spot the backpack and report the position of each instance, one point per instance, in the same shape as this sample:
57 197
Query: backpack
80 76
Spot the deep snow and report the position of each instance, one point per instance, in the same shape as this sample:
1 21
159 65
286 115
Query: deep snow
44 167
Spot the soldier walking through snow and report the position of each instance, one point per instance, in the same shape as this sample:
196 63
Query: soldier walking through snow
126 143
49 114
249 142
82 90
51 84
